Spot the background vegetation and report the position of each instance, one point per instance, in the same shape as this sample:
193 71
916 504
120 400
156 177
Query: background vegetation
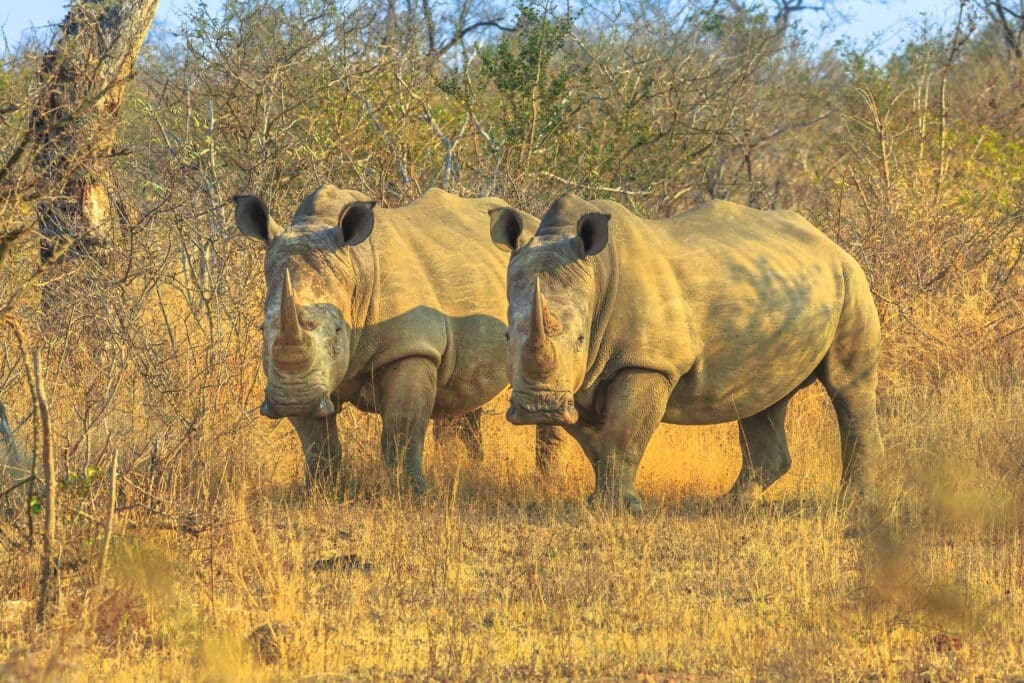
185 545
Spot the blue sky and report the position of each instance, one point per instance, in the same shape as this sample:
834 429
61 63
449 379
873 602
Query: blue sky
886 24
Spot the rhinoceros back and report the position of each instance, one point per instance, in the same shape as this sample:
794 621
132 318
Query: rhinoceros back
740 305
437 252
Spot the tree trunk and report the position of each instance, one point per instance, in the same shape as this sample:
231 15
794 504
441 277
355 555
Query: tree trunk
83 79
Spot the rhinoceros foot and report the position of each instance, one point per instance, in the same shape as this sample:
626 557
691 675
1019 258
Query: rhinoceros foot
420 486
628 502
745 492
409 483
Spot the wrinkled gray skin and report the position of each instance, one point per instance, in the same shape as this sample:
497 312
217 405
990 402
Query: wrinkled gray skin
398 311
717 314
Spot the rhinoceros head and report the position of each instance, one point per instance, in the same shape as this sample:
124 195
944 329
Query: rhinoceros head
551 300
307 327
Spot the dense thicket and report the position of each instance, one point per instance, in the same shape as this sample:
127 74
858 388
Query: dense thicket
911 162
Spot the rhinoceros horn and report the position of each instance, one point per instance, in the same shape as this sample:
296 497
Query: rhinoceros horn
538 335
290 352
291 333
539 359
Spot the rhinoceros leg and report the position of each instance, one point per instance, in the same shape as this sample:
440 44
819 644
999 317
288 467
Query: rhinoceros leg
849 372
634 406
466 428
764 446
549 444
853 396
405 396
321 447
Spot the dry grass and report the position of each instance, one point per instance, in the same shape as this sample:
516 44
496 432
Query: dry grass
500 574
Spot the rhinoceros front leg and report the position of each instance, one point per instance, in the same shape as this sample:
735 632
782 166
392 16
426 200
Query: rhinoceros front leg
764 446
549 444
634 407
321 448
405 396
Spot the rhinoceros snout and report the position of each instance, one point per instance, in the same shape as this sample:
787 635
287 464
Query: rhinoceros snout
322 409
542 408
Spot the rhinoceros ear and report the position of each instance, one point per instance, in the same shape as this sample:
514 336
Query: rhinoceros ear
592 232
506 228
355 223
253 219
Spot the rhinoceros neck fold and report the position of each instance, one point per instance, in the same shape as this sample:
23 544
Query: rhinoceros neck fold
603 301
364 300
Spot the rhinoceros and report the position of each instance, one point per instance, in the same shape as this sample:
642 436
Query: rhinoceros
717 314
399 311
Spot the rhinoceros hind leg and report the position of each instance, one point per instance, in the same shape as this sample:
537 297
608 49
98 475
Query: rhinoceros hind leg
466 428
405 393
550 442
849 372
856 413
321 447
764 446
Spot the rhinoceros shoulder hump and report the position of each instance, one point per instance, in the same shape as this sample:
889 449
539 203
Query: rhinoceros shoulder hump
323 205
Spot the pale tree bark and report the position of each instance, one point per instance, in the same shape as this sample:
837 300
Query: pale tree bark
83 79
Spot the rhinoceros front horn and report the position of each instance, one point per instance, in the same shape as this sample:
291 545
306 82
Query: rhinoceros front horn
291 332
539 356
291 347
538 335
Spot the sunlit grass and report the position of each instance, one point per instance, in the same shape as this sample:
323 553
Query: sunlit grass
500 573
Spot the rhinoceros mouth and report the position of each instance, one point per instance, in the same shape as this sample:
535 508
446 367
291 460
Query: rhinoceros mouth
322 408
541 407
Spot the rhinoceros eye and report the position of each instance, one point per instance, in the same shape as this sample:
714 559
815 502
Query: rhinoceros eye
579 341
506 335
